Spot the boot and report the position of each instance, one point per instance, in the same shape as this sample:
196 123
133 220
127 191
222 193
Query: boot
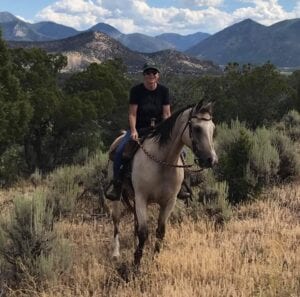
113 193
183 194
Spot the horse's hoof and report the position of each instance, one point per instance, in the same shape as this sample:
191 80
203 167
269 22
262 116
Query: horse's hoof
124 272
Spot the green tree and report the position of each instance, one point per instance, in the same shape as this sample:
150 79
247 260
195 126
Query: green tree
15 109
294 82
105 88
37 73
258 95
15 115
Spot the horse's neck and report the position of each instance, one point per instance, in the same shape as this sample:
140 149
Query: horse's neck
170 152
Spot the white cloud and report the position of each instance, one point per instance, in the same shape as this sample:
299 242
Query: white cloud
265 12
124 25
139 16
200 3
77 13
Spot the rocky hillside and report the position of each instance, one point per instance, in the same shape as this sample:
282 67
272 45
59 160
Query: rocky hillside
89 47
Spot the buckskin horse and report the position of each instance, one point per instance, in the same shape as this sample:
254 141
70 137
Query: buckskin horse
157 169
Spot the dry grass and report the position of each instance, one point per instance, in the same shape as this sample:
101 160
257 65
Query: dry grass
256 254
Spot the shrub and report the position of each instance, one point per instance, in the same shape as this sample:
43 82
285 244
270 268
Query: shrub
289 165
92 172
12 164
291 124
31 250
210 199
264 159
234 147
247 160
218 208
68 183
63 185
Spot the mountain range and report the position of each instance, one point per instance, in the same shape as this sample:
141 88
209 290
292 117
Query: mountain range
243 42
14 29
87 47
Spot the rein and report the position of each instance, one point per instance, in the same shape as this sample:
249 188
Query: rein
164 163
160 161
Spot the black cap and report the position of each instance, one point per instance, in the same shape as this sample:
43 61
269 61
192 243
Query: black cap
150 66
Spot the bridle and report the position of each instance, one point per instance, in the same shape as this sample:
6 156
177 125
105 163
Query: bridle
189 126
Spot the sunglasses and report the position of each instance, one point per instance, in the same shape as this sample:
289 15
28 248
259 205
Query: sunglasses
151 71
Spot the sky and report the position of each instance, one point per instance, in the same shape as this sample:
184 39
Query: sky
154 17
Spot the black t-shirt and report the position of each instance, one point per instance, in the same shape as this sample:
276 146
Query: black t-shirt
150 103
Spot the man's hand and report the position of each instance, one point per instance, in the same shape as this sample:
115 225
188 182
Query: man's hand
134 135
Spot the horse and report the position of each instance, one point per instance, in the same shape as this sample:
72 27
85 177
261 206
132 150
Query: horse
157 170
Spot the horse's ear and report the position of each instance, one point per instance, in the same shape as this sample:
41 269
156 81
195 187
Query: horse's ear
199 105
208 108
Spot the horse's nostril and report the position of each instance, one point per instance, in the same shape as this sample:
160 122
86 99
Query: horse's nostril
209 161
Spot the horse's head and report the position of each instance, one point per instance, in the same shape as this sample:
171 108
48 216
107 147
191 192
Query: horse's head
200 131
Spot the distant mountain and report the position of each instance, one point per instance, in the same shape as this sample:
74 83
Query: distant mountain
250 42
18 30
136 41
15 29
6 17
238 42
107 29
53 30
183 42
144 43
97 47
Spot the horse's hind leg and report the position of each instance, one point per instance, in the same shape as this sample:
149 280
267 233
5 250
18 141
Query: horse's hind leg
164 214
116 216
142 232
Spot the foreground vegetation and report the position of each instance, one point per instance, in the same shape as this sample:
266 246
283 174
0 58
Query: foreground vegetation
255 254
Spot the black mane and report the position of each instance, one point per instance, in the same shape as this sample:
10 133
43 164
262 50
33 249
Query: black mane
162 132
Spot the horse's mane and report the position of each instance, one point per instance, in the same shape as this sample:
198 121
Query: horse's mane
162 132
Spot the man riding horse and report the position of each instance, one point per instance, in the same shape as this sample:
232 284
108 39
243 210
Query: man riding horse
149 104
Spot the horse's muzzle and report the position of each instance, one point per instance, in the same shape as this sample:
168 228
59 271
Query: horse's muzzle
207 161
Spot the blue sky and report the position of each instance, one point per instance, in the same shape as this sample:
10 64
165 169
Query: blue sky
153 16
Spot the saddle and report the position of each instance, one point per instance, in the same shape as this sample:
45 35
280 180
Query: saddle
130 148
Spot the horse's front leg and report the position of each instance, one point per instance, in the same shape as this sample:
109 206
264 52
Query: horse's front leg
164 213
142 228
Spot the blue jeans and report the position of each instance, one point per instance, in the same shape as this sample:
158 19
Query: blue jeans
119 153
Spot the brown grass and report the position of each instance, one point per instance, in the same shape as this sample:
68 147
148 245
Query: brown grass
256 254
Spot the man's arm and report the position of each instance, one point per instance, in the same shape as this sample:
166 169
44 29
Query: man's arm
166 111
132 120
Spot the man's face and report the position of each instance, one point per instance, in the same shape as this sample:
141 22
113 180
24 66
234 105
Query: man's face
151 75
